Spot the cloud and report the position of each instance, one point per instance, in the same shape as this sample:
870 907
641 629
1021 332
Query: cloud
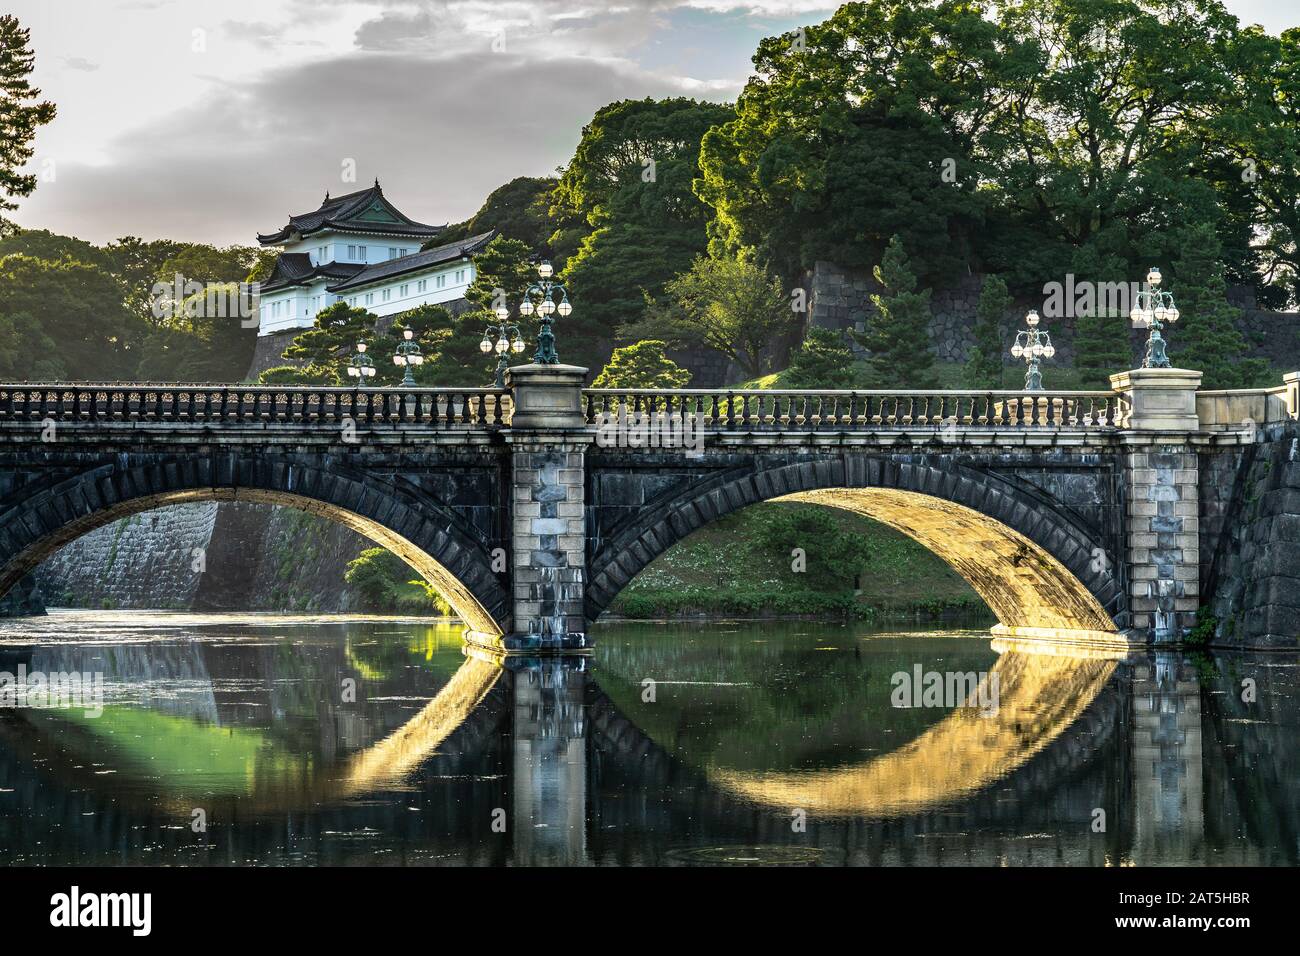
440 133
80 63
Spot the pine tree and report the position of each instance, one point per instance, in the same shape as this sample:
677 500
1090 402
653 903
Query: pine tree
20 116
984 364
325 349
823 361
1206 337
897 334
1101 348
643 364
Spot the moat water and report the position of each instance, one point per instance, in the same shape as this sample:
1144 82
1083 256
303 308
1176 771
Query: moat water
264 739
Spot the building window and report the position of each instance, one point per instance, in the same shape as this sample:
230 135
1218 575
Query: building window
422 285
442 281
460 275
387 294
370 298
403 290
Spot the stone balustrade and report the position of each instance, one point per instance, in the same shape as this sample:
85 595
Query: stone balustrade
299 405
825 410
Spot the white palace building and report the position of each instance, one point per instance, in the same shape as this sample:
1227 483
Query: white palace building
359 249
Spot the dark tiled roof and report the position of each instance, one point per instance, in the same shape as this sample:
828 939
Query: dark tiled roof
354 212
415 262
295 268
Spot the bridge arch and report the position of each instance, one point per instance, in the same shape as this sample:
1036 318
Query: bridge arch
409 523
1040 572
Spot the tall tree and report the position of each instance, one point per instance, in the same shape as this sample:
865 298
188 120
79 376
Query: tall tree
629 186
1205 336
897 333
20 115
984 364
728 305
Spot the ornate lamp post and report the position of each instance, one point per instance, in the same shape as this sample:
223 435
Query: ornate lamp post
361 366
1154 308
1033 344
507 338
408 354
540 298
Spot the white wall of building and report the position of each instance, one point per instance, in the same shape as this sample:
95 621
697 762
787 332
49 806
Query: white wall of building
297 306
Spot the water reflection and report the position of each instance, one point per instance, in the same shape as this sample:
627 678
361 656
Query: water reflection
348 740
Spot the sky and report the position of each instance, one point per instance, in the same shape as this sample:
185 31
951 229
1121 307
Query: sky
211 121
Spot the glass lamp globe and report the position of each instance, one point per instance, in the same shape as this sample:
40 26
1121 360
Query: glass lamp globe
416 359
526 307
1036 350
1049 351
1160 313
544 269
502 313
485 346
398 360
368 371
361 347
408 334
547 307
352 371
517 345
1017 351
502 345
1135 315
564 308
1153 277
1173 314
1032 318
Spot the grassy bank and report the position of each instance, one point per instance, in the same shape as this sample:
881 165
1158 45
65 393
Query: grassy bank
786 560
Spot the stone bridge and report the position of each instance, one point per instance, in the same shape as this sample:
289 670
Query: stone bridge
1088 517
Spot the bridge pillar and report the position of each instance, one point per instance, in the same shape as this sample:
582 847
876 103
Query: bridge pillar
1162 491
548 566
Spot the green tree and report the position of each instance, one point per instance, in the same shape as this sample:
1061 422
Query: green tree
854 130
728 305
897 333
1103 339
643 364
822 361
432 327
503 271
324 350
984 364
518 210
1005 137
205 339
21 114
384 582
833 554
1205 336
628 220
63 320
